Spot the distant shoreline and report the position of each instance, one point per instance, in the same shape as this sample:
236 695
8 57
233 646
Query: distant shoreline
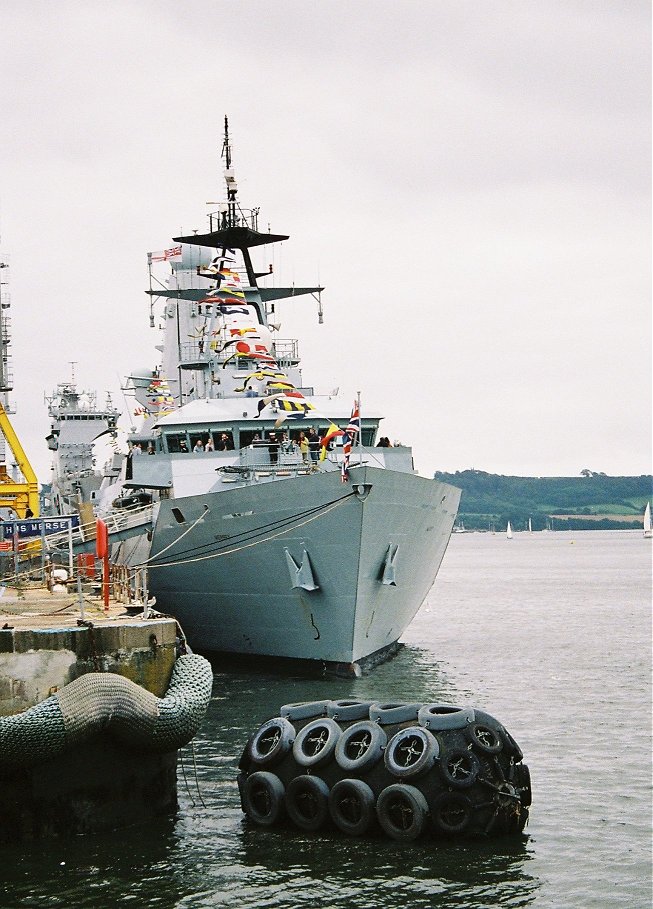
592 501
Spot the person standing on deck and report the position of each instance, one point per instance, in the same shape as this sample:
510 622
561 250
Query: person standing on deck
313 444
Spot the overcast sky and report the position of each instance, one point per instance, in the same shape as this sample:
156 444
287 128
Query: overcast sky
469 180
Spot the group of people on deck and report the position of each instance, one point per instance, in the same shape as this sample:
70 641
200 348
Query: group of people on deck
224 443
308 444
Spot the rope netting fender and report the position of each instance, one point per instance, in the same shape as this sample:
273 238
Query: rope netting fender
106 701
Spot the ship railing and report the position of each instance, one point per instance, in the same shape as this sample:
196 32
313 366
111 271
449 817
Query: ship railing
117 521
197 353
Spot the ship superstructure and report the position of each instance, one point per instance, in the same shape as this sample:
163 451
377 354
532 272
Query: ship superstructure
76 422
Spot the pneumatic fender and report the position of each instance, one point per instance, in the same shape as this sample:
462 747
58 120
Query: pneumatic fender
360 746
351 803
307 802
402 810
411 752
271 742
316 742
262 798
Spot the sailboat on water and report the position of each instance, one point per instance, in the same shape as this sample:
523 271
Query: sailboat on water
648 532
509 531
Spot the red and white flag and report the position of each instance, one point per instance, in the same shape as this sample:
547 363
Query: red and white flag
166 255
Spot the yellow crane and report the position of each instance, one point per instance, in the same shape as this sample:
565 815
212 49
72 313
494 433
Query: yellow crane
21 497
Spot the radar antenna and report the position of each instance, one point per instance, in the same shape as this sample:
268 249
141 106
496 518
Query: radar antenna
229 218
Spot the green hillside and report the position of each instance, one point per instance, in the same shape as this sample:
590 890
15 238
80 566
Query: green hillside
590 502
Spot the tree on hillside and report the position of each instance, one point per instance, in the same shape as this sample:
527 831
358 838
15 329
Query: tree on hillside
585 472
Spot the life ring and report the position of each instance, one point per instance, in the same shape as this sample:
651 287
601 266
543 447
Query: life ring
384 714
460 767
263 798
445 716
451 812
360 746
402 811
411 751
307 802
345 711
351 803
271 742
316 742
307 711
523 784
486 739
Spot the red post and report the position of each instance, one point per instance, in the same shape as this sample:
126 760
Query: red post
102 552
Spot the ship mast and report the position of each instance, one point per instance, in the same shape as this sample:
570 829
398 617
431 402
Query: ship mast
229 218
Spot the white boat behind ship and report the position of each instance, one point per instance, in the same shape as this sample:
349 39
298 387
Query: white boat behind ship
648 532
509 531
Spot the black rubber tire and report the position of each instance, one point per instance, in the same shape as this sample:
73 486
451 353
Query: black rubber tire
387 713
522 783
360 746
511 746
347 710
306 710
401 811
460 768
486 739
410 752
307 802
451 812
438 717
271 742
351 804
262 797
316 742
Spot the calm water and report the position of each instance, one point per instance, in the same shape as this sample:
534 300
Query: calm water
549 632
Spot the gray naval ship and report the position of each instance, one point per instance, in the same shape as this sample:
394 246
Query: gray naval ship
279 527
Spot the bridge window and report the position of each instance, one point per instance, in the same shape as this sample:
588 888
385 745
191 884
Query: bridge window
177 442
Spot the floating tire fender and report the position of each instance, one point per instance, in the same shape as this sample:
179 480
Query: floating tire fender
451 812
460 767
307 802
271 742
262 797
385 714
304 711
401 811
438 717
316 742
351 804
486 739
348 710
410 752
360 746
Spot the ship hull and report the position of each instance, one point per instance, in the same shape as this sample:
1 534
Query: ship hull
306 568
